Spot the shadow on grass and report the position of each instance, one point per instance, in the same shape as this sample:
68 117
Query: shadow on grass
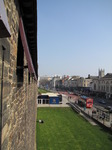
106 129
110 138
75 112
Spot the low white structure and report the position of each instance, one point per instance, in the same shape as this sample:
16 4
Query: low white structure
48 98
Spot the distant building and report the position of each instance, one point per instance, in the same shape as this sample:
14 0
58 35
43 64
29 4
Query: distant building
76 81
84 82
54 81
65 80
73 81
44 82
103 83
101 73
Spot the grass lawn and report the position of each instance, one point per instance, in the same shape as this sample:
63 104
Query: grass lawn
63 129
42 91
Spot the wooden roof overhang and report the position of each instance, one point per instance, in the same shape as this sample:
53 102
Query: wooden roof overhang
28 9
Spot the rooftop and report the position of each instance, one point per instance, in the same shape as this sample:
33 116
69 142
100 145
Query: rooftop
50 94
108 75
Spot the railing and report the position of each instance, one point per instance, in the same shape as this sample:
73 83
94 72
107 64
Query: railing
75 107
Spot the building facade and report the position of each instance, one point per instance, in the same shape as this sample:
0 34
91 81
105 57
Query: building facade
54 81
74 82
103 84
18 74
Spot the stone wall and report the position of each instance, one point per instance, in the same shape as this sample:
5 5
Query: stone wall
19 98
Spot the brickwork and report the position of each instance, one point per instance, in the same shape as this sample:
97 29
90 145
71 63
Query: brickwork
19 102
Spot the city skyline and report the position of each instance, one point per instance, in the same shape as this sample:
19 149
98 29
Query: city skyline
65 75
74 37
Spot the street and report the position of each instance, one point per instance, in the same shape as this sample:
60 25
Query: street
66 98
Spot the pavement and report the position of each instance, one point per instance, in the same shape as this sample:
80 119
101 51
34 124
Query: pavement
88 119
52 105
88 111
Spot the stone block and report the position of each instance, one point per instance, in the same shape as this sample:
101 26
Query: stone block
4 132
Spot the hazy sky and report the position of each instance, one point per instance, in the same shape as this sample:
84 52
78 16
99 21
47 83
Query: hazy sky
74 37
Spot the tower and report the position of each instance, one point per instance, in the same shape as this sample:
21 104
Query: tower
101 73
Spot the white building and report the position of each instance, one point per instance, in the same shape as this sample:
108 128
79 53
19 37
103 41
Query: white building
54 81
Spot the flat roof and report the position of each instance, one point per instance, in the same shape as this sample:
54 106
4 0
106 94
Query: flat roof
50 94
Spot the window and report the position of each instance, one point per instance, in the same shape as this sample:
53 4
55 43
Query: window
20 62
39 101
47 101
107 82
107 88
94 86
28 78
104 88
111 89
43 101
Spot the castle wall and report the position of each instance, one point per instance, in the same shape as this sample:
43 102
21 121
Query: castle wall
18 122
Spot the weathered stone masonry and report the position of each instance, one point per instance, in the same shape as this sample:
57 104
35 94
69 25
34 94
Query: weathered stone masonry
19 89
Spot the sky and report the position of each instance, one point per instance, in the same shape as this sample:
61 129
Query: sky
74 37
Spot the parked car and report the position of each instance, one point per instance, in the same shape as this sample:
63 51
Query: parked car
70 92
101 101
109 108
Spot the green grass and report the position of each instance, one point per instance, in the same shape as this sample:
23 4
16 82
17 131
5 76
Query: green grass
63 129
42 91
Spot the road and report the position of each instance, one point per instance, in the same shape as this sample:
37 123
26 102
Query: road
73 98
108 102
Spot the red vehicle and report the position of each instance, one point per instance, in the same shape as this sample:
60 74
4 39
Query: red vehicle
85 101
